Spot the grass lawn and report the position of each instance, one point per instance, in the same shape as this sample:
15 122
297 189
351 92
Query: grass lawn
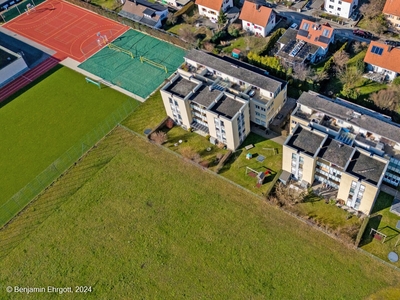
109 4
235 168
44 120
135 222
195 141
252 43
148 115
384 221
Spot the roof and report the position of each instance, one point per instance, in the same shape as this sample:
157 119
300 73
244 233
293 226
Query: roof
307 141
227 107
389 59
343 110
392 7
136 11
348 1
258 16
314 33
236 69
213 4
335 152
181 87
204 96
366 167
153 6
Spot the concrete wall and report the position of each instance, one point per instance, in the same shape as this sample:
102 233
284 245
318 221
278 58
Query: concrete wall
13 69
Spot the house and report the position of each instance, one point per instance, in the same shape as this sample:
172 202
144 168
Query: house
257 19
391 10
383 59
348 150
309 43
341 8
144 12
211 8
176 3
220 96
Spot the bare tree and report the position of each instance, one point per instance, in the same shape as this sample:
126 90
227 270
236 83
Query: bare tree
357 47
208 46
171 19
284 195
190 153
340 58
187 35
159 137
320 76
349 77
386 99
302 72
372 9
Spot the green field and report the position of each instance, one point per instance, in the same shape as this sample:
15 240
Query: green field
135 222
44 120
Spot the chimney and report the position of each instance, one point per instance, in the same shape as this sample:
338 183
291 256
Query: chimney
258 7
390 48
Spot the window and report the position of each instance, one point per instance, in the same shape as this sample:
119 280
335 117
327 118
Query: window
331 6
339 8
257 113
257 106
170 100
294 156
179 116
340 2
176 103
222 124
248 24
306 26
263 116
377 50
258 121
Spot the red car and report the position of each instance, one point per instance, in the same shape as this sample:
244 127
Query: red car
364 34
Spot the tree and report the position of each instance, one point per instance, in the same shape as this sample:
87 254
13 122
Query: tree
378 24
357 47
386 99
171 19
302 72
340 59
222 18
159 137
320 76
187 35
284 195
372 8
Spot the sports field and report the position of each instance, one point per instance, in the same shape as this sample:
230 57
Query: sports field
66 28
121 64
44 120
135 222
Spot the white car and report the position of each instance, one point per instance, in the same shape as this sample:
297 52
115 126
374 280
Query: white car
294 26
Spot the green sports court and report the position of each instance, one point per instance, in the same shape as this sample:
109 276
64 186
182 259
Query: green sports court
136 62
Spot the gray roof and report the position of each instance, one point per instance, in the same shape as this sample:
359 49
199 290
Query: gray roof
204 96
341 109
227 107
153 6
366 167
243 72
335 152
149 12
306 141
181 87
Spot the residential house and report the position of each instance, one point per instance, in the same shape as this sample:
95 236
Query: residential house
220 96
145 12
347 149
391 10
176 3
341 8
309 43
211 8
257 19
383 59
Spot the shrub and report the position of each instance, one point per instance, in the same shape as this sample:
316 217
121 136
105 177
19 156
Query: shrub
169 123
396 81
190 153
217 37
208 137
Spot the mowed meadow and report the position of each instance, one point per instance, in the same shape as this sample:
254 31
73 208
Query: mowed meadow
137 222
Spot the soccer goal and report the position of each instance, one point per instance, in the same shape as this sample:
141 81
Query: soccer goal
153 63
29 8
116 48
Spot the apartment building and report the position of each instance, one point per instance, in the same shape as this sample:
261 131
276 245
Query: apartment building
348 148
391 10
341 8
220 96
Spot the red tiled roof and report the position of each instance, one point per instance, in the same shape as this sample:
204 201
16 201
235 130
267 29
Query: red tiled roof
389 60
348 1
212 4
256 16
392 7
315 33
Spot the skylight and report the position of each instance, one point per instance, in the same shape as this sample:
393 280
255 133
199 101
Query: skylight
305 26
377 50
326 32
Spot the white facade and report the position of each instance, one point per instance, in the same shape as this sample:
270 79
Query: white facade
260 30
390 74
212 14
13 69
340 8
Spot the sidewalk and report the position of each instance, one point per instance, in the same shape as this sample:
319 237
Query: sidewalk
269 136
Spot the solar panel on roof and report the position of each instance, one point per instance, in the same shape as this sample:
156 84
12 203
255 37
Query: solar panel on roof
377 50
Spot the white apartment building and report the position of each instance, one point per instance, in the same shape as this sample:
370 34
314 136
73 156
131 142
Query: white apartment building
341 8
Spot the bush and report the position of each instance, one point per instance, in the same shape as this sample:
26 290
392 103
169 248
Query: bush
190 153
159 137
208 137
272 41
217 37
396 81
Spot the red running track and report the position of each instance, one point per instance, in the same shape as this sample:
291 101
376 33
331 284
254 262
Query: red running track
27 78
66 28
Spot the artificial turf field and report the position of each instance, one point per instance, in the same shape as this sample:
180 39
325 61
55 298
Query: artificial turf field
136 222
44 120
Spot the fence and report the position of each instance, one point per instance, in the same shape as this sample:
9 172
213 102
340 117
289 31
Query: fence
22 198
17 10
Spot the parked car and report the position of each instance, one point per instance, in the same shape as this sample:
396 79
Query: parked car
362 33
294 26
392 43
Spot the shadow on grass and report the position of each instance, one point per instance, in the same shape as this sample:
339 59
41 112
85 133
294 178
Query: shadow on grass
252 138
30 85
231 161
373 223
384 201
312 198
